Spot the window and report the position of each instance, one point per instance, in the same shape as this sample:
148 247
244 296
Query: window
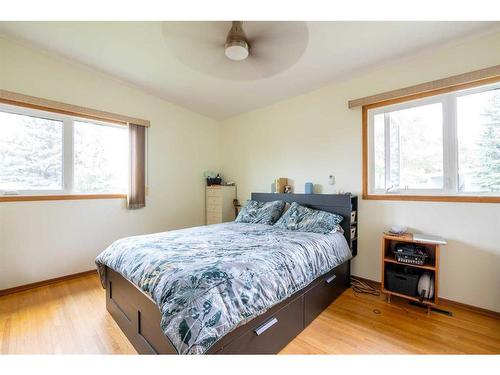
100 158
478 135
31 153
441 145
44 153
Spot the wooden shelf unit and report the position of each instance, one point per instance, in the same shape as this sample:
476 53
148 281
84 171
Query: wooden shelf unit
432 265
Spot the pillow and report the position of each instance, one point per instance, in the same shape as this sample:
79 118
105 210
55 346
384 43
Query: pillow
260 212
306 219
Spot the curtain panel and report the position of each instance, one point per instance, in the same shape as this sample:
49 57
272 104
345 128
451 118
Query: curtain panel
137 187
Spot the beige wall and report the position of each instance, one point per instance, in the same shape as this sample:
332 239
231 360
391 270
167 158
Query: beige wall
42 240
306 138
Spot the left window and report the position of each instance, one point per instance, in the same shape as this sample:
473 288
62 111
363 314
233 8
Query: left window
45 153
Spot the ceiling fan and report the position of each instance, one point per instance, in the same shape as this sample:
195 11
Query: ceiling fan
237 50
236 47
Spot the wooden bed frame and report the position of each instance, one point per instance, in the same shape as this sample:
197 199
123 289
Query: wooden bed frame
139 317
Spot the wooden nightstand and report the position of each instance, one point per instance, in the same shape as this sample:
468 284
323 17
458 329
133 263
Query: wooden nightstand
431 265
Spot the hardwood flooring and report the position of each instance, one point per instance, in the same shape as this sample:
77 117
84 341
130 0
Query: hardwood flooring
71 317
65 317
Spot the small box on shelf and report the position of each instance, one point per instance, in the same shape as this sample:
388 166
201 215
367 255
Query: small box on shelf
403 280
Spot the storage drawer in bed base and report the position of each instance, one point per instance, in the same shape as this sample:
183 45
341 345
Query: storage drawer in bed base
273 333
139 317
325 291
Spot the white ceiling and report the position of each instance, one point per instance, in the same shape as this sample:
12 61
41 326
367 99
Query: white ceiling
139 52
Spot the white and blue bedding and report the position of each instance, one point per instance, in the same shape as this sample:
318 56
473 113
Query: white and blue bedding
209 280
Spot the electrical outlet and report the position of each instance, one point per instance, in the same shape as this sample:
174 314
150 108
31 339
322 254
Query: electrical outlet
331 179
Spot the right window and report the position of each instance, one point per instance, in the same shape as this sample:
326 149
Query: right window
478 135
100 158
441 145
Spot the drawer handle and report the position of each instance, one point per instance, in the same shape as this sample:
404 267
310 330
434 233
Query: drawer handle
330 279
264 327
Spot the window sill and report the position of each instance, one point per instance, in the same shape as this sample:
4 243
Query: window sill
24 198
433 198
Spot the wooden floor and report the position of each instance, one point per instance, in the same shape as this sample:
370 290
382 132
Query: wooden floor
70 317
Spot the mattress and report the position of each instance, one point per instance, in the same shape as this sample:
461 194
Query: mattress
209 280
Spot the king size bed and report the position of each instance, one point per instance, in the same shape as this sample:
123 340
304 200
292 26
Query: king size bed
231 288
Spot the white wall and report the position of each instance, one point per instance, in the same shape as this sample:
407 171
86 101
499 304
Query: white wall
42 240
306 138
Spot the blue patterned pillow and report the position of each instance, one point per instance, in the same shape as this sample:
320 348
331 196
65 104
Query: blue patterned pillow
306 219
260 212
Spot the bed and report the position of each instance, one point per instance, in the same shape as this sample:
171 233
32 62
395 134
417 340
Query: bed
231 288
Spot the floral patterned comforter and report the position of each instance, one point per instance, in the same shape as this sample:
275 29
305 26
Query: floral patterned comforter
209 280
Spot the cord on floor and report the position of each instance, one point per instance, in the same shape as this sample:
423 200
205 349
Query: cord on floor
359 286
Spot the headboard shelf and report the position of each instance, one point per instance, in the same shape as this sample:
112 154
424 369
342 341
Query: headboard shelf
341 204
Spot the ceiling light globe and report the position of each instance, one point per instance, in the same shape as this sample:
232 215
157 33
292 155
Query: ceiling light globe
236 50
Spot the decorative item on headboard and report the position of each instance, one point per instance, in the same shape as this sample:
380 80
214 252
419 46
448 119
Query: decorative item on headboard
308 188
280 184
288 189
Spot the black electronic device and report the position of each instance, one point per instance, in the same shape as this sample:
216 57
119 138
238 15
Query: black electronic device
410 253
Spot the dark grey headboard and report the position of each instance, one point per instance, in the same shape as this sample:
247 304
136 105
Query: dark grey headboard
342 204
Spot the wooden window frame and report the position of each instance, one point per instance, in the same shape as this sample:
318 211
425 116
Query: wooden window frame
407 197
67 120
33 102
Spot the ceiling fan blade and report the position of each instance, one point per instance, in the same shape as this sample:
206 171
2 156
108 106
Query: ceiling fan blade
196 44
196 33
260 70
278 50
276 32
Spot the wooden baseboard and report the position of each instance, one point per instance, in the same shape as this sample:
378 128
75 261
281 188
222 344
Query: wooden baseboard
445 302
38 284
464 306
